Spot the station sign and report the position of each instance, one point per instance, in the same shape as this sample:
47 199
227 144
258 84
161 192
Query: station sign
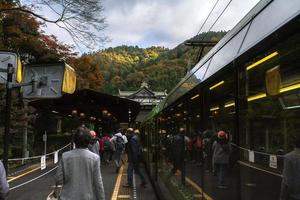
273 161
55 157
251 156
51 80
43 162
12 58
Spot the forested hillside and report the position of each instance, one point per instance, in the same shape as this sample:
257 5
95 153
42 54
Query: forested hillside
125 67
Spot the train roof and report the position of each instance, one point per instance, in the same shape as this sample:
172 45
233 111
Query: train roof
263 19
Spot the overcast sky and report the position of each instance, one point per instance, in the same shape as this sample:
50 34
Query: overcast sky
162 22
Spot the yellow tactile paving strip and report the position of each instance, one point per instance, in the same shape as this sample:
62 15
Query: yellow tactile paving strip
193 187
120 192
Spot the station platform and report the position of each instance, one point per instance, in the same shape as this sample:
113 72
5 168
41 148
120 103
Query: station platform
32 183
137 192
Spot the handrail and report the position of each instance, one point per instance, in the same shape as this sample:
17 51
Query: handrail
34 157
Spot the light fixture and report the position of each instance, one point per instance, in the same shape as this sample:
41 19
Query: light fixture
198 116
74 112
262 60
216 85
104 112
289 88
257 96
214 108
229 104
178 115
82 115
194 97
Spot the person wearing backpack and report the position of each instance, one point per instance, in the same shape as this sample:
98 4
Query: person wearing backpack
105 148
134 153
118 146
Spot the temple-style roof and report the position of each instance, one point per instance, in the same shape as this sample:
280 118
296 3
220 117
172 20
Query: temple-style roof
144 95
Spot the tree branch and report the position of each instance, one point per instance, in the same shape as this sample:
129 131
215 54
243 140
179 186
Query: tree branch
29 12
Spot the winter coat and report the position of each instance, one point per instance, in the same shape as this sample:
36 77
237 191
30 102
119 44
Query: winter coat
220 152
94 146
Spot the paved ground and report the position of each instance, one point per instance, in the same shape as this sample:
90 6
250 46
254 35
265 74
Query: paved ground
207 180
40 188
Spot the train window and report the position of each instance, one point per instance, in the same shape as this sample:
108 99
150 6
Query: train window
225 54
221 105
269 122
266 21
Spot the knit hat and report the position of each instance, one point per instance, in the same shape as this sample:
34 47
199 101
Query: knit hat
130 129
93 134
222 135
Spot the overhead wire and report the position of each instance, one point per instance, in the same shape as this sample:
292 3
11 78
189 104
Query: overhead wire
207 17
217 19
205 35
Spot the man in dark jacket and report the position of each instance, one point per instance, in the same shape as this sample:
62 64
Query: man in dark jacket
134 152
290 187
180 140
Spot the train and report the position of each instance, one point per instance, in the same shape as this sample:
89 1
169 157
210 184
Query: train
248 85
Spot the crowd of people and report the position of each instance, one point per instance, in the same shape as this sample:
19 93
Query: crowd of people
202 148
79 170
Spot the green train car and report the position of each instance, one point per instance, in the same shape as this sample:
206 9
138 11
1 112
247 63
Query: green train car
249 86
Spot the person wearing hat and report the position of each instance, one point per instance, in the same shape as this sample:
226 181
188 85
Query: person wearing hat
221 157
134 154
94 144
290 186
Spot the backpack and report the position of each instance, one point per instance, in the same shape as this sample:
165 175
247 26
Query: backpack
119 144
199 142
107 144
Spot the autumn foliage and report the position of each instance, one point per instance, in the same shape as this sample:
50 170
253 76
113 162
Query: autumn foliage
88 73
21 32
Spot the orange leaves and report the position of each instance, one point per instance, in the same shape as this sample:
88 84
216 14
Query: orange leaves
88 73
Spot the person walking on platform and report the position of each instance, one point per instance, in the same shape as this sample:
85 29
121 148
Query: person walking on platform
105 148
79 171
4 187
198 147
290 186
221 157
118 146
94 144
180 140
134 152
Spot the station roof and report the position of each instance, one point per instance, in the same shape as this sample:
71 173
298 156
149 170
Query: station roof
91 103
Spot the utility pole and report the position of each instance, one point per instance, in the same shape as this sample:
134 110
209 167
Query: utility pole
45 140
25 132
10 71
